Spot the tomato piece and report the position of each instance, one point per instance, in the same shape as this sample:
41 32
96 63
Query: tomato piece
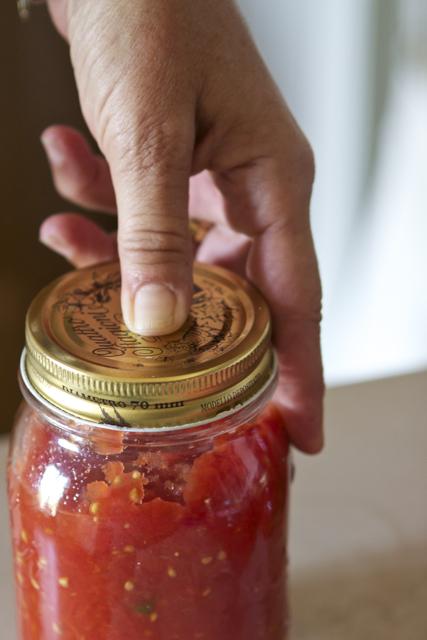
218 481
112 470
97 490
156 520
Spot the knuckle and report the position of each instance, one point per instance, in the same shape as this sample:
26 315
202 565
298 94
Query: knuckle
299 165
153 146
306 312
305 162
82 190
144 245
294 160
79 190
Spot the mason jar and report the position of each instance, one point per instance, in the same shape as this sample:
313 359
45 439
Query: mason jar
148 476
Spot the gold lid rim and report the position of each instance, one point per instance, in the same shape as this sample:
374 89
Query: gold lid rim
267 386
79 359
47 341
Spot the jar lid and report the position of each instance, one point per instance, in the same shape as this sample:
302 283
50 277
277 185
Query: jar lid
82 359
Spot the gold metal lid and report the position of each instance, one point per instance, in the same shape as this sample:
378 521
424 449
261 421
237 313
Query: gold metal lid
82 359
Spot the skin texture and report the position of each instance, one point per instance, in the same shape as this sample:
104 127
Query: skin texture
189 122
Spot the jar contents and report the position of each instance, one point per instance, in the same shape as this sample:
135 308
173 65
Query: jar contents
178 540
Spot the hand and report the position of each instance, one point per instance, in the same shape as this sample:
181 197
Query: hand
173 90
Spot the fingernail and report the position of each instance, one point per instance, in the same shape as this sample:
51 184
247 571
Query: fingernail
54 149
155 310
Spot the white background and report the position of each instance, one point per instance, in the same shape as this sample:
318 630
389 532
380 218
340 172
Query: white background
355 76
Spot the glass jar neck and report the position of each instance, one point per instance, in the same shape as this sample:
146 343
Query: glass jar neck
83 429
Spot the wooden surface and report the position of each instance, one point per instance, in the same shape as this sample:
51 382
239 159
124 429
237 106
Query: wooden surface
359 518
358 523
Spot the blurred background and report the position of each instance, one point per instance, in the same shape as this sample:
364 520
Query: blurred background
355 75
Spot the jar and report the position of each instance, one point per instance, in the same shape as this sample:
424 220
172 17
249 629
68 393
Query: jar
148 476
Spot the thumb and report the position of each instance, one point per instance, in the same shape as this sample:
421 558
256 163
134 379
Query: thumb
151 169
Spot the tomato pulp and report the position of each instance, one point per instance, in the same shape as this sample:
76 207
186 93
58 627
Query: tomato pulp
174 542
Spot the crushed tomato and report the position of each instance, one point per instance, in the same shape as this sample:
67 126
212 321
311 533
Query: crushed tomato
173 543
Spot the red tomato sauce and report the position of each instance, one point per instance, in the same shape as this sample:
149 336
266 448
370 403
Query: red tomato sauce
170 544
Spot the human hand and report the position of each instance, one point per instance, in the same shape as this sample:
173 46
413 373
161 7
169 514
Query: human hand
189 122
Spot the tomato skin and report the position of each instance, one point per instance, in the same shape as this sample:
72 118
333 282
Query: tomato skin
167 543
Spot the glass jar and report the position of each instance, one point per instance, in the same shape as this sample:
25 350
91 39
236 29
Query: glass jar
148 477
